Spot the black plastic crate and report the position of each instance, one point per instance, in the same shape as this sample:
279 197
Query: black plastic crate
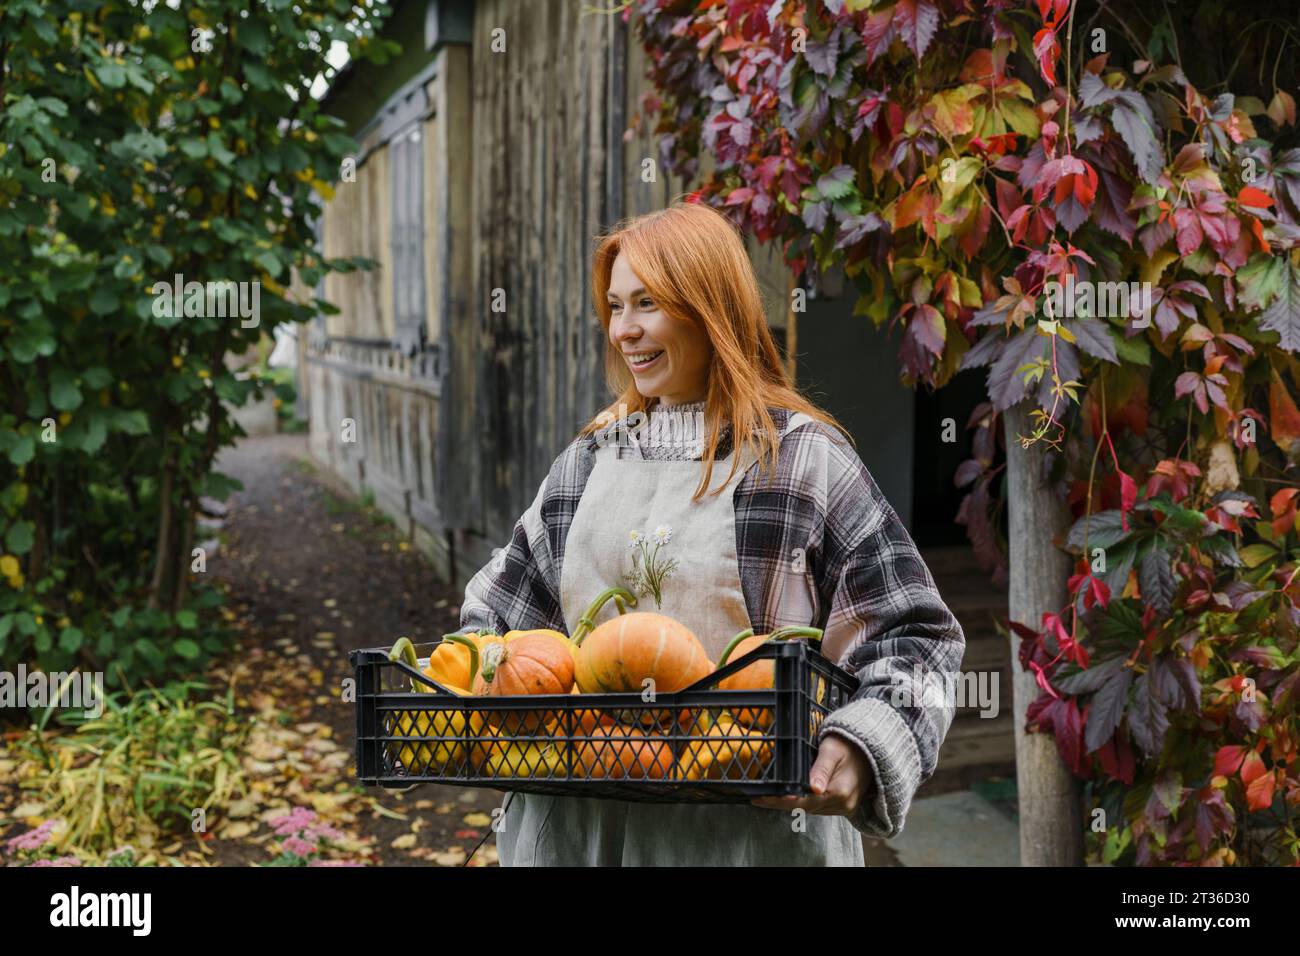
674 749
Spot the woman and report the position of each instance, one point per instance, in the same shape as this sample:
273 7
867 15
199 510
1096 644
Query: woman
803 538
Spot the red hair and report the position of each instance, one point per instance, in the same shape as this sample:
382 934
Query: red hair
694 264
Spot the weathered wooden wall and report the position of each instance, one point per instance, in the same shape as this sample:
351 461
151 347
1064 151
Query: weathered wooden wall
524 166
357 224
526 377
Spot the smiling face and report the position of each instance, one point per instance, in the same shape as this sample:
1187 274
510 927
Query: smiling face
669 359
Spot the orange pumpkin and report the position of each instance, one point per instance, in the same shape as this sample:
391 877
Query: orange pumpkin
761 675
728 751
623 653
532 662
619 752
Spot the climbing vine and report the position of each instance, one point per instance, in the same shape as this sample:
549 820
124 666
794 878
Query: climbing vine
1060 194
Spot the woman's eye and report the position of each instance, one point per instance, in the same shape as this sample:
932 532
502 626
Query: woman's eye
647 304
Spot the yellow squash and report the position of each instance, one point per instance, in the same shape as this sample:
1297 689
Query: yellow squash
426 757
730 751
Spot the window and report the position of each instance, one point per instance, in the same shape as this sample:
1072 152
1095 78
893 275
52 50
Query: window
406 166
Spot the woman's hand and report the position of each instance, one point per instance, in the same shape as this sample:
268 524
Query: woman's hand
838 778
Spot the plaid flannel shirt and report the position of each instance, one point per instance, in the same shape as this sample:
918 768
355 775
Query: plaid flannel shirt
866 575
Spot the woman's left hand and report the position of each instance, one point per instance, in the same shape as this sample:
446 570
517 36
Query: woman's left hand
838 778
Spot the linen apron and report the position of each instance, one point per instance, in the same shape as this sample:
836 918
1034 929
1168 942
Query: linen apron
705 594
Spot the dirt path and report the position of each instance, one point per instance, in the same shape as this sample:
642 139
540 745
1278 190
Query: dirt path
312 574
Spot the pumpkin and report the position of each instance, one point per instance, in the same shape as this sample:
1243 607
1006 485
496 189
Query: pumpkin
557 635
532 662
504 759
727 751
760 675
619 752
453 663
424 757
624 652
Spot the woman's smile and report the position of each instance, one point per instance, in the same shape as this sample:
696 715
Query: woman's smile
640 361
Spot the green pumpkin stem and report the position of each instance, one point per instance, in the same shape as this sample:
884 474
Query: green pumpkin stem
404 651
587 622
473 653
491 660
731 645
789 632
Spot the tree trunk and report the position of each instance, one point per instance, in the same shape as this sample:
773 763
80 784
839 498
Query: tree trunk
163 545
181 589
1050 796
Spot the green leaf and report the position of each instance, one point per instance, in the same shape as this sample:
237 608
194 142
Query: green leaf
132 422
70 639
1117 840
193 147
187 619
1136 351
111 74
252 35
88 431
836 184
269 261
186 648
97 377
19 537
1103 529
65 395
1260 280
103 301
22 449
1283 316
120 616
1254 555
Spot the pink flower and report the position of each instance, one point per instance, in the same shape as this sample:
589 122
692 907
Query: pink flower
61 861
297 819
32 839
335 863
299 847
323 831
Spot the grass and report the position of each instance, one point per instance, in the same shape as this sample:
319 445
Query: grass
142 769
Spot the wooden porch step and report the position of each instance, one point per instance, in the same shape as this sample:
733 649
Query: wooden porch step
976 748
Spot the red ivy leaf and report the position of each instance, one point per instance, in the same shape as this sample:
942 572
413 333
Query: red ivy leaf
916 21
1250 196
1259 792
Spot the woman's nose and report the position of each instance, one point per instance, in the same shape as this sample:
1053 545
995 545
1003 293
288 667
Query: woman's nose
622 329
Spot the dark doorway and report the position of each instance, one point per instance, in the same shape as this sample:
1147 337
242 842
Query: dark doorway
941 414
850 368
